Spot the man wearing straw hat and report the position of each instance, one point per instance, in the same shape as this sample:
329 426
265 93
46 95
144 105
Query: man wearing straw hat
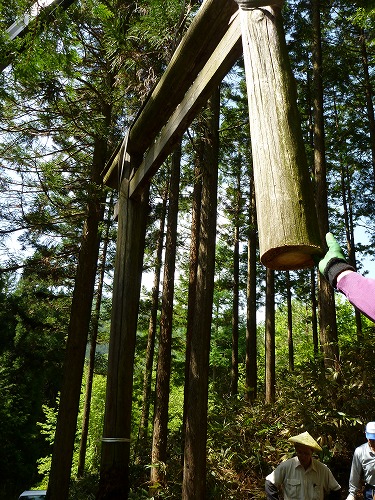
302 477
363 466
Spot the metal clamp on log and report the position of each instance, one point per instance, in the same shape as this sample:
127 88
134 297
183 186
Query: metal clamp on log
254 4
115 440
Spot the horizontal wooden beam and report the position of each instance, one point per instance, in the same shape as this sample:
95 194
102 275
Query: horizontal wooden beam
201 39
112 177
221 61
204 34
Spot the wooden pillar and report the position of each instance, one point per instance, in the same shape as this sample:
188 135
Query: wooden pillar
114 480
287 222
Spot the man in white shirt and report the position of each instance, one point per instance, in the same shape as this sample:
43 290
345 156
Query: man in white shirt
302 477
363 466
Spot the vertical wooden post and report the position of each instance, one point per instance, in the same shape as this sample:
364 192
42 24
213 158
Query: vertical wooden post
114 480
287 222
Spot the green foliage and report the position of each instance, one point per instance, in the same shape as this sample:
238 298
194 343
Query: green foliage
83 488
365 17
95 426
346 325
247 442
101 56
47 429
302 335
156 26
33 330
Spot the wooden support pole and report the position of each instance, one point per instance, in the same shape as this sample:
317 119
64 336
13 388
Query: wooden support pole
287 221
114 478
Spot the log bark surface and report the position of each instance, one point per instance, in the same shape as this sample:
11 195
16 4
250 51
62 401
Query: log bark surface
115 454
287 222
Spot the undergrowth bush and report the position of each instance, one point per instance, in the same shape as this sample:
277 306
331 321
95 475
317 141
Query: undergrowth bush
246 441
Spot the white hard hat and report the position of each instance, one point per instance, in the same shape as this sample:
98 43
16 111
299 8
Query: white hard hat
370 430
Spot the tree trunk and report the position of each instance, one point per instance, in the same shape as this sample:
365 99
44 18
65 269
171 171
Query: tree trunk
80 315
194 478
193 266
270 336
93 341
251 302
347 204
150 349
114 476
163 375
369 99
290 323
287 223
314 308
236 287
236 272
349 231
327 313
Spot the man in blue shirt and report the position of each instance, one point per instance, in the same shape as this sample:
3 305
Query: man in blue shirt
363 466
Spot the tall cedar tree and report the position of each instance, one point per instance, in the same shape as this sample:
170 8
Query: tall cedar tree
327 317
152 328
196 386
163 374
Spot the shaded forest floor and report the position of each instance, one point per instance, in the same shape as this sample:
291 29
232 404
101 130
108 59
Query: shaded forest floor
246 441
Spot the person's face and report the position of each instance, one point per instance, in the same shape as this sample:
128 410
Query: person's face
304 454
371 443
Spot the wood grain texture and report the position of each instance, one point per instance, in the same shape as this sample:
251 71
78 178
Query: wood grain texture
287 222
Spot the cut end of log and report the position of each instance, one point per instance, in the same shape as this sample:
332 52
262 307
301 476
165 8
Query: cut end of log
291 257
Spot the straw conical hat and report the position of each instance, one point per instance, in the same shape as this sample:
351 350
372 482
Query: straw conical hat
306 440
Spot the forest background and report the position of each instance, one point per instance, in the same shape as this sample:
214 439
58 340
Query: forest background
66 100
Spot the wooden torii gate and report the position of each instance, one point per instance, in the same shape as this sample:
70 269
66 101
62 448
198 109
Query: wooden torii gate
287 224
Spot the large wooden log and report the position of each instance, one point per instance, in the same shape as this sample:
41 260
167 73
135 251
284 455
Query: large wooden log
287 221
